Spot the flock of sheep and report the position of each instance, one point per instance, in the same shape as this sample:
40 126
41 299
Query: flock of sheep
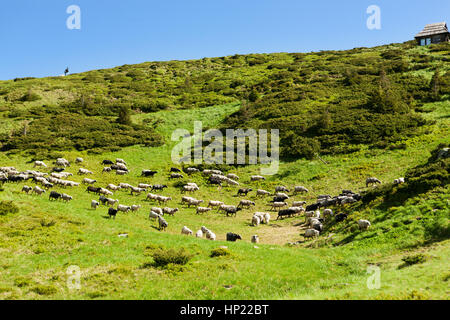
314 217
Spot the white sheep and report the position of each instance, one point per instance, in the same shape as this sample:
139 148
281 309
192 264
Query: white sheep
213 203
257 178
255 239
84 171
88 181
210 235
185 230
199 234
135 207
261 192
79 160
202 210
123 208
94 204
232 176
364 224
301 189
153 215
39 164
38 190
311 233
157 210
66 197
255 220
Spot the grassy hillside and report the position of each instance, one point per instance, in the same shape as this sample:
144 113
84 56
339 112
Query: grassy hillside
408 241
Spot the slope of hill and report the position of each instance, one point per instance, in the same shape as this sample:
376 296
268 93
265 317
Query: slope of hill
409 236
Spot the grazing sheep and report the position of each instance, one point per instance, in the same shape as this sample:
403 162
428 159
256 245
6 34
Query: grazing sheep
194 202
137 191
174 169
163 199
148 173
327 213
121 172
185 230
213 203
281 189
341 217
119 160
54 195
144 185
66 197
107 169
112 212
399 181
27 189
286 212
157 210
82 171
79 160
231 181
280 198
186 199
113 187
300 189
255 220
162 223
62 162
123 208
233 236
232 176
153 215
107 162
93 189
199 234
254 239
278 205
204 229
125 186
88 181
261 192
266 218
372 180
104 191
158 187
298 203
151 196
297 209
135 207
311 233
188 188
257 178
170 211
202 210
38 190
112 202
190 171
364 224
210 235
176 176
244 191
94 204
39 164
245 203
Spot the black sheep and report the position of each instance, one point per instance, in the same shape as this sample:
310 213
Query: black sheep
148 173
93 189
286 212
54 195
341 217
112 213
244 191
233 236
158 187
107 162
280 199
57 169
103 200
175 170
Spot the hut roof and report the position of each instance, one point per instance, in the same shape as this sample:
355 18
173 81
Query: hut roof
433 29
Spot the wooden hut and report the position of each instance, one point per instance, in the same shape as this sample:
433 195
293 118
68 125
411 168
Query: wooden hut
433 33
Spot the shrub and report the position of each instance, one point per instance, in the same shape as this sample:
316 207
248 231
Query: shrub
162 257
8 207
415 259
30 96
220 252
44 290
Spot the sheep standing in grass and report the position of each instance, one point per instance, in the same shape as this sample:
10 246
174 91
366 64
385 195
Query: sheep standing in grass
185 230
311 233
135 207
263 193
38 190
300 189
112 202
66 197
39 164
399 181
162 223
82 171
255 220
94 204
257 178
363 224
372 180
170 211
123 208
255 239
246 204
277 205
157 210
213 203
202 210
153 215
232 176
27 189
88 181
199 234
210 235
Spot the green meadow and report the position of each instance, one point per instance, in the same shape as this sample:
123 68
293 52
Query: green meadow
409 240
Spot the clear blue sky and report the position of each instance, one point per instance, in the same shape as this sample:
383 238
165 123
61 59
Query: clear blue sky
36 42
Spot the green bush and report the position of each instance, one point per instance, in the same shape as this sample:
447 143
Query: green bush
8 207
220 252
163 257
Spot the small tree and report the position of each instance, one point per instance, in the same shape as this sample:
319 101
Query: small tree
124 115
435 85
